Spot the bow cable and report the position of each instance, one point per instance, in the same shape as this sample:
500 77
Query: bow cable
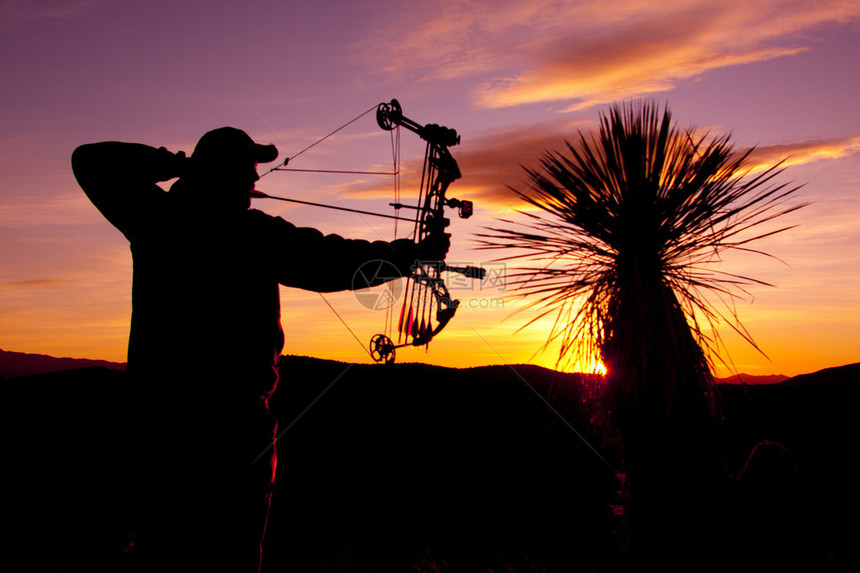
317 142
260 195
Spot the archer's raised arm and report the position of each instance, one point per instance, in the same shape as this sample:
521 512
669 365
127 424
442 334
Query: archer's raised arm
120 179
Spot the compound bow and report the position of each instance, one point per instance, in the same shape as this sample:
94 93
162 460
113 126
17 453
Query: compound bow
427 304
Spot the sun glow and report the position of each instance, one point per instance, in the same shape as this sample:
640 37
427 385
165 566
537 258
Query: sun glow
590 367
597 368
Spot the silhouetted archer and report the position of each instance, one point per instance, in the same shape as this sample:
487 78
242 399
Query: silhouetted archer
206 334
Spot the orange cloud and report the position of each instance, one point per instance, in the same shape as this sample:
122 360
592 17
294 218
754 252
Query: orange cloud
803 152
497 160
34 283
593 51
19 11
616 67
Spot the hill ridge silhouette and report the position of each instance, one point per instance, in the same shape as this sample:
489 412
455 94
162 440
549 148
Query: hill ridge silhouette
836 375
14 364
753 379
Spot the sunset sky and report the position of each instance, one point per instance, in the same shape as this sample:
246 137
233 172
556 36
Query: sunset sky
514 78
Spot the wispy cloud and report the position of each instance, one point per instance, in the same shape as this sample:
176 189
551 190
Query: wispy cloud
594 51
34 283
61 209
497 160
803 152
21 11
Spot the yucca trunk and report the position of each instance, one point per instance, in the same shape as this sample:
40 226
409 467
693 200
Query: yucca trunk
656 371
659 396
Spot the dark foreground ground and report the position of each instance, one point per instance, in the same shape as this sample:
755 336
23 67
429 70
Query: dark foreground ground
413 468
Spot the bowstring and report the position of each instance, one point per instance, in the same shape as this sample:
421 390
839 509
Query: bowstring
317 142
337 314
388 326
395 145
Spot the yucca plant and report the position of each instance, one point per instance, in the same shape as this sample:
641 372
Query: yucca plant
620 242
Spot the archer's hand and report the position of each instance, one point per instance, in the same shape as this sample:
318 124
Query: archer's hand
435 247
168 165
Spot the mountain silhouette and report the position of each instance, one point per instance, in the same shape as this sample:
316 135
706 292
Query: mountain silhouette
836 376
753 379
23 364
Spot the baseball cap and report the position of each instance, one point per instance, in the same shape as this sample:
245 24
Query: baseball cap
229 143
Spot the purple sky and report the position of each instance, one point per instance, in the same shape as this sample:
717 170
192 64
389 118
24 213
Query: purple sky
512 77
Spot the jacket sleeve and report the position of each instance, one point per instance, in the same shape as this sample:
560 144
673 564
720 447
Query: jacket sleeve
120 179
309 260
